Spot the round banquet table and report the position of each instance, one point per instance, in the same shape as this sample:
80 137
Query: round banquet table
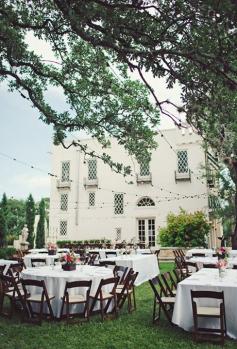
55 279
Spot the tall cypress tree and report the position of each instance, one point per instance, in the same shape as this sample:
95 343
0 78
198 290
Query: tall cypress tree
3 228
40 233
30 219
5 209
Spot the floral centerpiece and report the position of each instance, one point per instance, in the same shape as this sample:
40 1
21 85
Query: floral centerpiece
69 261
222 265
222 253
52 248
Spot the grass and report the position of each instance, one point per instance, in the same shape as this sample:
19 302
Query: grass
127 332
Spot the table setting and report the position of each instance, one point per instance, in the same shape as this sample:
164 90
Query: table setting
208 280
55 278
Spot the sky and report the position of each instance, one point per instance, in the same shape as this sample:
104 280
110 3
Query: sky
28 140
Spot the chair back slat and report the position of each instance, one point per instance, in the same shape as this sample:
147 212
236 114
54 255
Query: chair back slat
207 294
82 283
35 261
198 254
209 265
110 254
106 263
32 282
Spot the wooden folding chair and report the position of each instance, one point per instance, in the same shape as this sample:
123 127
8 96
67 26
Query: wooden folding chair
209 265
35 262
217 312
9 289
127 291
103 297
92 258
2 268
180 265
42 298
169 284
197 254
191 267
178 275
157 252
16 270
109 254
81 297
162 300
106 263
121 272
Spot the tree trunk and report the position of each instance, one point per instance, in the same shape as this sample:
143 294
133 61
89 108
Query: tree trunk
234 235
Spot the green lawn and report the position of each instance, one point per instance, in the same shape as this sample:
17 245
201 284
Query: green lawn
127 332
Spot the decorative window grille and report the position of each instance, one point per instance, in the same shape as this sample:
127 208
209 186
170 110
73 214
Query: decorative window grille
92 169
151 232
65 171
145 168
141 230
118 233
63 228
92 199
182 161
118 204
64 202
146 201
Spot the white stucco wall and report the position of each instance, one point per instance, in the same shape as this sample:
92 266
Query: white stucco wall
86 222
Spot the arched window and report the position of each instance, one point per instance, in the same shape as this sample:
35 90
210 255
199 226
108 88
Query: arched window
146 201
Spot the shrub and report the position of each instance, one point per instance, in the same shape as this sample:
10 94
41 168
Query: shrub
7 252
10 238
185 230
62 243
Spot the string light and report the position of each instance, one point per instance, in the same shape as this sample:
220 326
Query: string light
99 187
172 148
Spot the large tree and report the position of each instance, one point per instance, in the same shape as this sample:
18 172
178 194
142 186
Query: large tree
190 42
30 219
16 216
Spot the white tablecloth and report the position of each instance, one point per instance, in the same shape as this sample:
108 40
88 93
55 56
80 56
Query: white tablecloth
208 280
143 250
212 260
44 250
118 252
7 262
146 265
49 258
102 251
56 278
233 253
208 252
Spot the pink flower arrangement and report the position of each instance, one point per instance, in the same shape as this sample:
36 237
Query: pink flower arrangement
222 253
70 258
222 264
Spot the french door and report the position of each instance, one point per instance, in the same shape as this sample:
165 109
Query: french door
147 231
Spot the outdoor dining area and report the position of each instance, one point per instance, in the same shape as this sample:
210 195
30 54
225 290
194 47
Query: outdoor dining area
58 283
196 294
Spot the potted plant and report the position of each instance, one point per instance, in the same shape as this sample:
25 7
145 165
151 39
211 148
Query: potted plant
52 248
69 261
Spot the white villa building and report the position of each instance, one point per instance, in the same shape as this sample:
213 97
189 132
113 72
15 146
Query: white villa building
90 201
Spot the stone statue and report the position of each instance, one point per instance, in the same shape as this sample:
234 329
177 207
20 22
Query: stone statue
22 243
24 233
